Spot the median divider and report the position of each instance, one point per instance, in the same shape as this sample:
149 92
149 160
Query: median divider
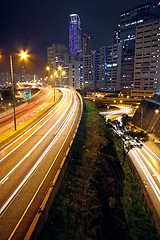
38 223
12 135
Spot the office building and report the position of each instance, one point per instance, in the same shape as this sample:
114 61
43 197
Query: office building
117 34
147 55
86 45
56 55
95 70
75 45
101 72
76 74
90 71
127 33
114 53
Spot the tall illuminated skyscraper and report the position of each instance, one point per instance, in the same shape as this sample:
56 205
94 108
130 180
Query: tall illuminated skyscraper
75 45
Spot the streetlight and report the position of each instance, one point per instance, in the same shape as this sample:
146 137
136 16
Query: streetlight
48 69
23 56
59 72
54 87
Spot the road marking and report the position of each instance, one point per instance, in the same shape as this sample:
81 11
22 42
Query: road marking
36 145
147 174
61 102
4 181
41 183
3 207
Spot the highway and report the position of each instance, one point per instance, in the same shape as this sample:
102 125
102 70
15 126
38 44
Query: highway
146 162
31 162
25 111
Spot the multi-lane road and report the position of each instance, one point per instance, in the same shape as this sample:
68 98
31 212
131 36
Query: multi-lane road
32 161
146 162
40 100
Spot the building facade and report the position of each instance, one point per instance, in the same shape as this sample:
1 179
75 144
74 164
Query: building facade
86 45
101 72
75 44
90 71
56 55
147 57
127 34
76 74
114 53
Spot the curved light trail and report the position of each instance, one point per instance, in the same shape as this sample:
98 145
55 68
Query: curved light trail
30 163
147 164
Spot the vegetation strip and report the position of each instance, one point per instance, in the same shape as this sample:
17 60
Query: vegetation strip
98 199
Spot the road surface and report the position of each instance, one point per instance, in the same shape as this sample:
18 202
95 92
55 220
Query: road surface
30 163
24 112
146 162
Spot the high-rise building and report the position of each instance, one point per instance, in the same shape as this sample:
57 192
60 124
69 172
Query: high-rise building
114 53
76 74
101 81
56 55
75 43
147 55
90 71
127 34
116 34
95 70
86 45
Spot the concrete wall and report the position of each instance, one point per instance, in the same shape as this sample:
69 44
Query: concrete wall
145 117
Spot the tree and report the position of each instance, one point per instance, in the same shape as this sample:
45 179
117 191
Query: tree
7 94
126 119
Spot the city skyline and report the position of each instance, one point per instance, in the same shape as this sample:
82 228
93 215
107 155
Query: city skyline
35 26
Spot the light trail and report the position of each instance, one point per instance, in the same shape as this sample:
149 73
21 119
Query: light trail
149 164
146 163
63 100
147 174
42 181
21 110
151 152
63 126
36 145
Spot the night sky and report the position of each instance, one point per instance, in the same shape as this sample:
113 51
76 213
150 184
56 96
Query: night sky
36 24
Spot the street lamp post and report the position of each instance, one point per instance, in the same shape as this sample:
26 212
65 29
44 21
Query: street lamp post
47 69
59 72
13 91
23 56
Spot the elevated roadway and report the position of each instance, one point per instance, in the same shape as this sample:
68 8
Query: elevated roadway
147 164
30 163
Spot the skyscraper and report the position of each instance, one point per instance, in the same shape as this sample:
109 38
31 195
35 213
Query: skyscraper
90 71
147 50
114 53
101 72
127 34
86 45
75 45
56 55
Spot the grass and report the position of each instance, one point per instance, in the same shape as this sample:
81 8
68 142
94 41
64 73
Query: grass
158 144
98 199
139 225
